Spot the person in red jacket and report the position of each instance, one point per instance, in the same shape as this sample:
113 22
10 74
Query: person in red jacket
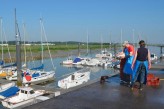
126 61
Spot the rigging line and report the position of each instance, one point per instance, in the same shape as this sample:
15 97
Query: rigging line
31 54
7 46
48 46
24 44
32 57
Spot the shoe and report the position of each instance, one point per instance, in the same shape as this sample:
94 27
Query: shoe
121 82
141 86
131 86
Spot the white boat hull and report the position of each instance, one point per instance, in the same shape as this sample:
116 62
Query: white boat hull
78 80
40 79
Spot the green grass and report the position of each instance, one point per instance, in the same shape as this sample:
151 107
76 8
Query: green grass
37 48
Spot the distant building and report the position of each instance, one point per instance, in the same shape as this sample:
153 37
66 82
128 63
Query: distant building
4 44
45 44
27 44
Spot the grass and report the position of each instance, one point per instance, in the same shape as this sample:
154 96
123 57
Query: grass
37 48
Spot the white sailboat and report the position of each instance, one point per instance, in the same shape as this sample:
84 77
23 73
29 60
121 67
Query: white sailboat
5 69
39 75
75 79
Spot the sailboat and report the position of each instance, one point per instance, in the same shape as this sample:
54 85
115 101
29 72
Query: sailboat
26 94
38 75
104 53
5 69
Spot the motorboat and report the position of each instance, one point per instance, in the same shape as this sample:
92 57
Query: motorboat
105 63
24 96
104 53
93 62
153 57
77 61
68 61
75 79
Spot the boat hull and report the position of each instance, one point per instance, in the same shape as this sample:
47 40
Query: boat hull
38 80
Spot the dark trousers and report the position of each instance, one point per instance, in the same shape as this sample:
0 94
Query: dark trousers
123 76
140 74
122 63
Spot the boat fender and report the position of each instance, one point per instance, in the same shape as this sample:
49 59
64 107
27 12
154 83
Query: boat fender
28 77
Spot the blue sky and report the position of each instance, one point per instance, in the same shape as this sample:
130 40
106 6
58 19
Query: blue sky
69 20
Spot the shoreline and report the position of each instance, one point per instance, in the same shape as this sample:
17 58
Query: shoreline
37 55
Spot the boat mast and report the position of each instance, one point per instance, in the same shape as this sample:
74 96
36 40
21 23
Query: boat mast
1 38
101 43
121 39
133 38
18 52
41 40
24 46
87 41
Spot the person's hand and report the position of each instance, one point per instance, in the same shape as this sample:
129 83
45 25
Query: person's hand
132 66
149 66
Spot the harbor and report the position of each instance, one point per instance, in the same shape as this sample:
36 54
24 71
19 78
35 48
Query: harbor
81 54
95 95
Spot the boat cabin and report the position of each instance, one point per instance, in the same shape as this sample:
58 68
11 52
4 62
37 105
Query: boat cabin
25 92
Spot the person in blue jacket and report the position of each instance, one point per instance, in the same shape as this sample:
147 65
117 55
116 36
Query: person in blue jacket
129 55
141 64
126 62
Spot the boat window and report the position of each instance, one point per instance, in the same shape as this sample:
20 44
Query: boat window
82 75
43 73
73 77
25 92
22 91
152 55
32 91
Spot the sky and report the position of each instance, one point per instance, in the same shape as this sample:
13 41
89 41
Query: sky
74 20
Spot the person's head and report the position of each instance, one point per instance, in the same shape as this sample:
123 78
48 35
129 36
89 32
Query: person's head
142 43
125 44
